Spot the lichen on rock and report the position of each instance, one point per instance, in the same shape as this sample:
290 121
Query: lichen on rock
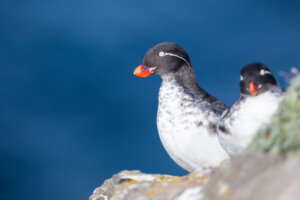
254 175
137 185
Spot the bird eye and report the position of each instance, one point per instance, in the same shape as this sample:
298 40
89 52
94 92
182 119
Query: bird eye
241 78
161 54
263 72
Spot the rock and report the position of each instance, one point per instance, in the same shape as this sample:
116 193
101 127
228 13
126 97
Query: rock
139 186
272 175
251 176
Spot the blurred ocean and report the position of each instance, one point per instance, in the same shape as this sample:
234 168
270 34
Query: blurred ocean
72 113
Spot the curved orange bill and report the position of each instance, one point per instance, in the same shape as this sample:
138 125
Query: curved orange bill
143 71
252 89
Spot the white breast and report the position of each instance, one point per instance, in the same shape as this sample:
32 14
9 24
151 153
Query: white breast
245 119
185 130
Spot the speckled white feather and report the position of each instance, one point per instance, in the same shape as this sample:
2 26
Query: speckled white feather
183 128
244 118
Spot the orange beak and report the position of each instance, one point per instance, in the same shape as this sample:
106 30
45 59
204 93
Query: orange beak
252 89
143 71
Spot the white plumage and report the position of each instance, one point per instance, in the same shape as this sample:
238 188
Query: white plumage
186 129
241 121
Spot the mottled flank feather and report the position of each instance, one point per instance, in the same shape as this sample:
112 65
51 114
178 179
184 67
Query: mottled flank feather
187 125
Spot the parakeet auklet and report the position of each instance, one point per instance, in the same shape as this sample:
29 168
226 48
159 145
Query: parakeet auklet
187 115
260 97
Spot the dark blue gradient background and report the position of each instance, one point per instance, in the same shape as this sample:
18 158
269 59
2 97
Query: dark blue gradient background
73 114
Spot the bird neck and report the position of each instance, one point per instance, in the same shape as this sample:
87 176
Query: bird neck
186 79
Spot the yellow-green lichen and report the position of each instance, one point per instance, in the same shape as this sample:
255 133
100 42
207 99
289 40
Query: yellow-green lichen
166 178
